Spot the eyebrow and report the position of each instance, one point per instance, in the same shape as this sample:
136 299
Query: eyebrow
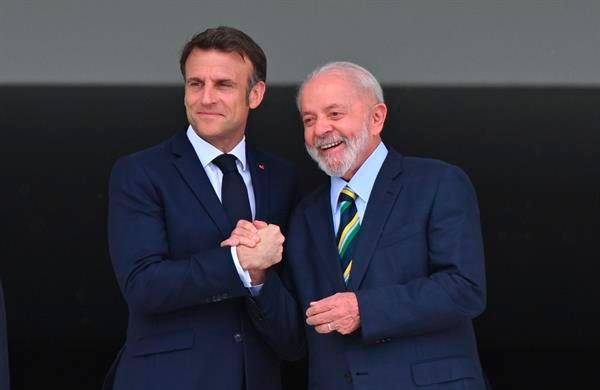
328 108
224 80
219 80
334 105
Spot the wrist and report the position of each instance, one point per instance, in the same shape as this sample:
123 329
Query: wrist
257 277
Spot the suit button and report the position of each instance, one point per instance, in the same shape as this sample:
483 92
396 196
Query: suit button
348 377
238 337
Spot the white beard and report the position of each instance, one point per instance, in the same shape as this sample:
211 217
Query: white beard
340 166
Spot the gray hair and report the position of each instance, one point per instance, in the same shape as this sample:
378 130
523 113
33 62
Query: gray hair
363 79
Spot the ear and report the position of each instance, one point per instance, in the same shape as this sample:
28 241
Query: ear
377 118
256 94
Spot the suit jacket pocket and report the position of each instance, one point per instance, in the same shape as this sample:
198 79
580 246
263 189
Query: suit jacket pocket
163 342
394 236
443 370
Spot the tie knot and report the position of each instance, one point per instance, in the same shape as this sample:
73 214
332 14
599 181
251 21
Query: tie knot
347 195
226 163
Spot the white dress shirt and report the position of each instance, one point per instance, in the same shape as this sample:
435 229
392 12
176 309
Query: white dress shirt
207 153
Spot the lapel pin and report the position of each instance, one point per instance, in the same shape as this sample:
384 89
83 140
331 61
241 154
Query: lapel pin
261 166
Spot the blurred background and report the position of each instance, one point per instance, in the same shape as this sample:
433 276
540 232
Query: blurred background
509 91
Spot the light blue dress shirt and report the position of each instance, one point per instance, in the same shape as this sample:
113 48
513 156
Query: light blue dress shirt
207 153
361 183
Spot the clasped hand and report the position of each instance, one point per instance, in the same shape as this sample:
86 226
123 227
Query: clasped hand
258 246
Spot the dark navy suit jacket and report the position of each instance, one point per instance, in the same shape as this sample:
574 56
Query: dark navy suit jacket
189 326
418 273
4 372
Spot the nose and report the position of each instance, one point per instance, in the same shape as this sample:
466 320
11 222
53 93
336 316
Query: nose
322 126
207 96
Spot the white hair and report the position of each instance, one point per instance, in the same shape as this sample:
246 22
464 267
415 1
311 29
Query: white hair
362 78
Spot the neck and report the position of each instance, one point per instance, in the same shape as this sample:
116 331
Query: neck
361 160
225 145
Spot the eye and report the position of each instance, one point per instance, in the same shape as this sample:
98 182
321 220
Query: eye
335 115
195 83
225 84
308 121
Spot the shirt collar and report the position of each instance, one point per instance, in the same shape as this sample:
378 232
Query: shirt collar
207 152
363 180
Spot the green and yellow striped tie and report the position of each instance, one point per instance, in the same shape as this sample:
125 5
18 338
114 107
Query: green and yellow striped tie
348 230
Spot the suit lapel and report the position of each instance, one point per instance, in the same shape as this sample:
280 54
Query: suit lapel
385 190
320 225
189 166
259 172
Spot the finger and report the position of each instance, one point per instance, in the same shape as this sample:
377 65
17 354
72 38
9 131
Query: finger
240 233
244 231
274 227
325 328
327 301
321 329
246 225
231 241
318 309
319 319
260 224
249 242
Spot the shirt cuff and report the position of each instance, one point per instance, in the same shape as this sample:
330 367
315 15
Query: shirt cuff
244 275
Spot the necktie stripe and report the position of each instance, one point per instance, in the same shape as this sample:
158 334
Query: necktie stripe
348 242
347 272
349 192
344 207
346 231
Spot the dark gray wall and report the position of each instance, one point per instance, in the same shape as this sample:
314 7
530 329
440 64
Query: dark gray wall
402 42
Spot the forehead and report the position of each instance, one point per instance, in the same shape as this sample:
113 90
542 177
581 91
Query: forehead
326 90
217 64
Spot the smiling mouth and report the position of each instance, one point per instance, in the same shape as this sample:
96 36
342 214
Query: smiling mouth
330 145
209 114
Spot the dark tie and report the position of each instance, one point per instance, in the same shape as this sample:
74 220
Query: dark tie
348 230
234 195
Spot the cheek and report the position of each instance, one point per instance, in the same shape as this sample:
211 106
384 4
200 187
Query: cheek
188 99
308 136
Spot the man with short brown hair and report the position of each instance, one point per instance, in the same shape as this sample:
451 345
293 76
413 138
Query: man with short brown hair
171 207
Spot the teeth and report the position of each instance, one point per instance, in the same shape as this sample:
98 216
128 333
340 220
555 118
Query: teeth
330 145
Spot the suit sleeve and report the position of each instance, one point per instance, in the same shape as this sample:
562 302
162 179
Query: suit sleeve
454 290
150 280
275 312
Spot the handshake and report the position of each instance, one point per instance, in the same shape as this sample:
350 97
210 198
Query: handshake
258 246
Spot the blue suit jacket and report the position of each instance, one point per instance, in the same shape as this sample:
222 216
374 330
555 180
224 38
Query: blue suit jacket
4 372
188 323
418 273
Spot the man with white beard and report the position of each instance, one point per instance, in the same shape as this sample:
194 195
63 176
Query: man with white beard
384 265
